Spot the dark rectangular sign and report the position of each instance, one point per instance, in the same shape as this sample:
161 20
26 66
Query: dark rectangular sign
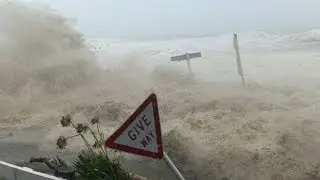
186 56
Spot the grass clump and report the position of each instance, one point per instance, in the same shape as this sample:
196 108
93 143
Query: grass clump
94 163
98 167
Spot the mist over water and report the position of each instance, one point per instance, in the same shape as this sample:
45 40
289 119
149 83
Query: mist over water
212 127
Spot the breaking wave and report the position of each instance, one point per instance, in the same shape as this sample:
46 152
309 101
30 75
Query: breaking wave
212 127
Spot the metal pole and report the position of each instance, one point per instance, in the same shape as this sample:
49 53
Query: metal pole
243 83
172 166
188 62
236 48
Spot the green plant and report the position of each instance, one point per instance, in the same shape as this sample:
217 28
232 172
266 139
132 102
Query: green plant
97 167
95 163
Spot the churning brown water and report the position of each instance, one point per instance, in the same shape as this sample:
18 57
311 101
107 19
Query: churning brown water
212 127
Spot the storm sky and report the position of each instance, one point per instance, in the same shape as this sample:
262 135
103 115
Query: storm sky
183 17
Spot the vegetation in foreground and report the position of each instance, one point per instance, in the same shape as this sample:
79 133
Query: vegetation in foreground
93 163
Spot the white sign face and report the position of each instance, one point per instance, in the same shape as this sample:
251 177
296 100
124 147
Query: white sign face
141 133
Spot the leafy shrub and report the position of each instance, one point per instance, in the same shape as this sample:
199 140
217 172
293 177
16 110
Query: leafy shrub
99 167
93 164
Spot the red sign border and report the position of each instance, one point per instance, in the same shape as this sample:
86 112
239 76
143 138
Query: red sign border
110 142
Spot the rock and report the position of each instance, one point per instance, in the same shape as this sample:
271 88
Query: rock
36 166
66 173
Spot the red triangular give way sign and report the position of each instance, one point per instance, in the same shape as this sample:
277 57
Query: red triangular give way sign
141 133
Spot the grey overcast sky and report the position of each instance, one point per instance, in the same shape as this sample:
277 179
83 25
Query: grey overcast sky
198 17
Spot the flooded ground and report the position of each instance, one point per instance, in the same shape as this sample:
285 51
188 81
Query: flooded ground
212 126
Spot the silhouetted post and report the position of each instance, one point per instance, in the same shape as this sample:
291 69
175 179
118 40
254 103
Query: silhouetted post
188 62
236 48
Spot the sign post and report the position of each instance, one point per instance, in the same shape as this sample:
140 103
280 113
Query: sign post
141 134
172 166
236 48
187 57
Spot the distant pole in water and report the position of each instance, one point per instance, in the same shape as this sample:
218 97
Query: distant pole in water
188 62
236 48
